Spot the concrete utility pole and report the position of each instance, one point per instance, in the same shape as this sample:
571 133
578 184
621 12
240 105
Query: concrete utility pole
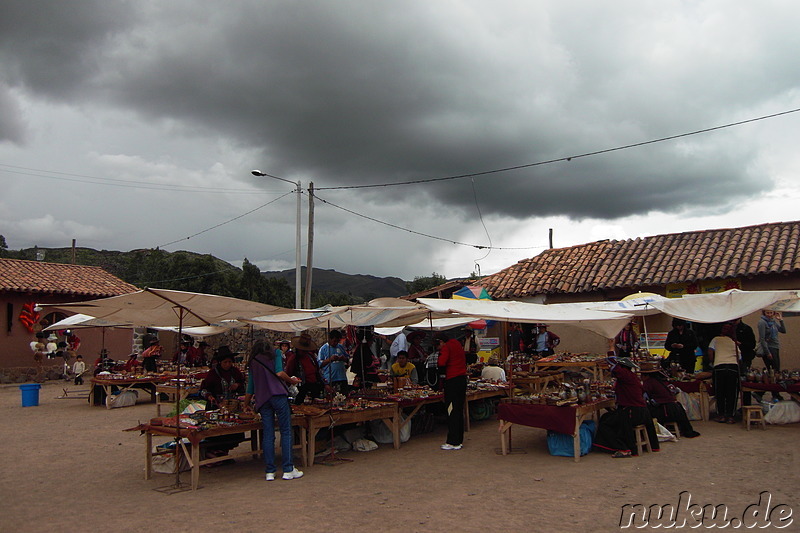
310 257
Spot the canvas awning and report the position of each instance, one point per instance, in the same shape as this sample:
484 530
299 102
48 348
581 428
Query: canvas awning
167 308
604 323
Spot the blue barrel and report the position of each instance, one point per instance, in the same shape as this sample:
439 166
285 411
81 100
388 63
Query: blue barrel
30 394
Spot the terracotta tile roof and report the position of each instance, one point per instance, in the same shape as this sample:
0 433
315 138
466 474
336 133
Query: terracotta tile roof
659 260
18 275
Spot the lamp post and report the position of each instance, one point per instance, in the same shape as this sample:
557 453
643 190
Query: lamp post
299 190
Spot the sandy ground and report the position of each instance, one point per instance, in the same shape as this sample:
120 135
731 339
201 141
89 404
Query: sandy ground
70 467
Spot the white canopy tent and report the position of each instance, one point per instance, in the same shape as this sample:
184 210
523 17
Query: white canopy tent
605 323
381 311
703 308
166 308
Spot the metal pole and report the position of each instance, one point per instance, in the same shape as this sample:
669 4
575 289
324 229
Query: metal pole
297 300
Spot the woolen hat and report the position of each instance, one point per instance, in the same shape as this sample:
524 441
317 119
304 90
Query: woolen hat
304 342
224 352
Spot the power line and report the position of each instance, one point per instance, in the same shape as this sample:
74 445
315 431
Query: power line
478 246
227 221
560 159
130 184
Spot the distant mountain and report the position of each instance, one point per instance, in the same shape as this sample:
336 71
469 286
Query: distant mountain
360 285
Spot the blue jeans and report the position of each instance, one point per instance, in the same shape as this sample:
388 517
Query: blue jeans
277 406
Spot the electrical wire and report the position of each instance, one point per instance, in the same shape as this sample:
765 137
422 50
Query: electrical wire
415 232
560 159
480 216
130 184
226 222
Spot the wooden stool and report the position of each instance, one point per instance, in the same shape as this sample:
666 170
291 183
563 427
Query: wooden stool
642 440
753 414
671 426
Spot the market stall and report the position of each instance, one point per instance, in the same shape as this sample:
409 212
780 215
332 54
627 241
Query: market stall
122 382
197 428
566 419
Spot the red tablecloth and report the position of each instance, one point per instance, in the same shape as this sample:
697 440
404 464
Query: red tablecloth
558 419
773 387
693 386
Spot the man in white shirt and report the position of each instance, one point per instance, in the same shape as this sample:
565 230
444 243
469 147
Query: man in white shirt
399 344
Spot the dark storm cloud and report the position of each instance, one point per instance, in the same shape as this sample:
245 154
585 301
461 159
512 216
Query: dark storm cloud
367 92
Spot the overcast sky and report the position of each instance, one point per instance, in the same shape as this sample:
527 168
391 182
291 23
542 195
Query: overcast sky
131 125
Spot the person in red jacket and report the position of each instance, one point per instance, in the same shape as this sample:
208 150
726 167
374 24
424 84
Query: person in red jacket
453 364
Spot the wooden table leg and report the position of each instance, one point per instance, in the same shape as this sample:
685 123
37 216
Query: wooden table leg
148 455
505 428
466 414
576 438
395 427
195 465
312 439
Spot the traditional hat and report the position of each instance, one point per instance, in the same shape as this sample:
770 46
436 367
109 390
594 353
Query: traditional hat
417 334
281 342
224 352
304 342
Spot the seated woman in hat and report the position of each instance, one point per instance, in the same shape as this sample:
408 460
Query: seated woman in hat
662 403
615 433
224 381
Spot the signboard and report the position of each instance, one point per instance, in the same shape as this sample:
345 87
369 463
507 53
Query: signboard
654 342
487 343
676 290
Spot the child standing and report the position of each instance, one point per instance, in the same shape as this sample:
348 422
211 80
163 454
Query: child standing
78 368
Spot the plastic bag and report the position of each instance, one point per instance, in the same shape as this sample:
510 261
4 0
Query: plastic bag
564 445
125 398
364 445
382 434
785 412
664 435
691 405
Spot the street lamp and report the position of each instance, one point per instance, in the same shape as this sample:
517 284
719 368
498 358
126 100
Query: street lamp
297 302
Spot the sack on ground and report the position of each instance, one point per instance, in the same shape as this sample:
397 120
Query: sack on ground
164 461
563 445
364 445
691 405
664 435
785 412
125 398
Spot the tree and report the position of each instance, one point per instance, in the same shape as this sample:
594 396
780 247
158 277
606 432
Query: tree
3 246
423 283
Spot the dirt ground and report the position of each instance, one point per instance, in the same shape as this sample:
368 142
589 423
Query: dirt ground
70 467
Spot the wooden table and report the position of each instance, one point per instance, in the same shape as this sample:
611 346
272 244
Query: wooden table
171 390
473 395
195 436
792 390
597 367
536 384
702 389
565 419
417 403
387 412
148 384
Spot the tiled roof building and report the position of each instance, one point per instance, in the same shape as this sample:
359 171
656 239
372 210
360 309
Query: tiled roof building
37 277
743 253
